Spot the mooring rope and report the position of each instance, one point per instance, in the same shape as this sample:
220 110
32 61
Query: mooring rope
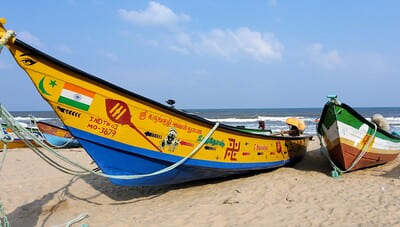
21 132
3 218
24 133
6 37
73 221
5 139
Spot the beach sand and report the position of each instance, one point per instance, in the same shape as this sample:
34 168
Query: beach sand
36 194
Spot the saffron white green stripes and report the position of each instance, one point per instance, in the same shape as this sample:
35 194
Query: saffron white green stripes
76 96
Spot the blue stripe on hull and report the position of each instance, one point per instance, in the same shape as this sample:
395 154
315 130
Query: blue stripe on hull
116 158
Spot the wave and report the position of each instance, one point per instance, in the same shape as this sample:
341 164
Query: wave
259 118
24 119
391 120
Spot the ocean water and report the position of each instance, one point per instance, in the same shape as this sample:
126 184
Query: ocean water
274 118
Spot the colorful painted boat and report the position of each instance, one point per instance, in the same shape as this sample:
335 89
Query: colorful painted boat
352 141
16 141
56 136
127 134
255 131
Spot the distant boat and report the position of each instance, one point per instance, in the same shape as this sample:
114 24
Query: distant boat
56 136
352 141
128 134
16 141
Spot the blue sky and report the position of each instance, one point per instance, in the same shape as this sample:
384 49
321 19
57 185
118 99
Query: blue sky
216 54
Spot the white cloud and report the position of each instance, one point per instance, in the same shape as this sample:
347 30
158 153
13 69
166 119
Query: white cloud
184 39
155 14
108 55
231 44
29 38
328 59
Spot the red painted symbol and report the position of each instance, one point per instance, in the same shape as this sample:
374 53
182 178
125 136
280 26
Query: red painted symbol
184 143
233 148
279 149
245 153
118 112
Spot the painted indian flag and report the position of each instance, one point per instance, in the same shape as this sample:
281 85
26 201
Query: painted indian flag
76 96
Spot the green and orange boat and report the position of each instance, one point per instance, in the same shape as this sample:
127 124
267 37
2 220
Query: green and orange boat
352 141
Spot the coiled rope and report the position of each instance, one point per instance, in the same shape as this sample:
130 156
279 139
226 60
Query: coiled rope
6 37
337 172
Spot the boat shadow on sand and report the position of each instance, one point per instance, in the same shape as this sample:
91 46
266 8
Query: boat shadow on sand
29 213
314 161
132 194
54 202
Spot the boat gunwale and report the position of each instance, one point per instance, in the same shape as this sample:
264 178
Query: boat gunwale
36 52
51 125
356 115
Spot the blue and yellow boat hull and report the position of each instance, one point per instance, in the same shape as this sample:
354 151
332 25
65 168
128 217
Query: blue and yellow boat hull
127 134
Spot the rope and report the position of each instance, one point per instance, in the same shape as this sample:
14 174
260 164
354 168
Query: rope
26 136
75 220
336 172
22 132
3 137
3 218
6 37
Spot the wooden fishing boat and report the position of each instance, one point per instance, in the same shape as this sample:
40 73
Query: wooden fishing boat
16 141
128 134
56 136
352 141
255 131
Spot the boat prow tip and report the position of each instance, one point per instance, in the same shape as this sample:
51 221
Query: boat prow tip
2 29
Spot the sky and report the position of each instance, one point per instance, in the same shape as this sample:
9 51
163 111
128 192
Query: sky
215 54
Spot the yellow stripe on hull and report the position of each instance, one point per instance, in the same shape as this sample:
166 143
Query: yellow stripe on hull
114 115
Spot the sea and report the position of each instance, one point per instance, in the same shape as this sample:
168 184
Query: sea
274 118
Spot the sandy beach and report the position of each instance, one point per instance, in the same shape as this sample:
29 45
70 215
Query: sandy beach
36 194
